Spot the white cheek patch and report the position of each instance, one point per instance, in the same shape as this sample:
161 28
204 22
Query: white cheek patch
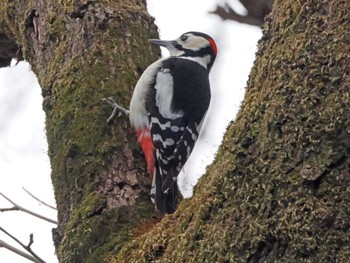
195 43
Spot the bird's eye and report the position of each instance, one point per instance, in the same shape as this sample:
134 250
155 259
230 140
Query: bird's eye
183 37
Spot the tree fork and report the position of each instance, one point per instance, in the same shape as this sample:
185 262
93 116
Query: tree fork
278 190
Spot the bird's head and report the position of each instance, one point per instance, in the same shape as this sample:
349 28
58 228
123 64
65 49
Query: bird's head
191 45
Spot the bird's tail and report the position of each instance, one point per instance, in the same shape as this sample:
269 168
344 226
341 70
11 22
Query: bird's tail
165 192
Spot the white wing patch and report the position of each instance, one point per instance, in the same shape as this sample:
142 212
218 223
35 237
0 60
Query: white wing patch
138 114
164 94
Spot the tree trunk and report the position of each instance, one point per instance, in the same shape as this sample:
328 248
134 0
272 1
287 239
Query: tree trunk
82 51
278 190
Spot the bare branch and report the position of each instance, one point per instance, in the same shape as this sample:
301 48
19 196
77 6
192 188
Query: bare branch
17 251
27 248
227 13
256 12
20 208
8 209
31 240
36 198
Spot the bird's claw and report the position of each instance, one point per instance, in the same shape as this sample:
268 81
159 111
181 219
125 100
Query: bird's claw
116 108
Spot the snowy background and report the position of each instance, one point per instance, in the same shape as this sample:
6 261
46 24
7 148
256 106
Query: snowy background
23 147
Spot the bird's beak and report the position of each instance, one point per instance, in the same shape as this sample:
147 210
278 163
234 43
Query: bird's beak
171 46
162 43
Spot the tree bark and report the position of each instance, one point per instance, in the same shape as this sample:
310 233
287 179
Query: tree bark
82 51
278 190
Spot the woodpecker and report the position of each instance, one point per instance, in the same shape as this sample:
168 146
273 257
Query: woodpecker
167 109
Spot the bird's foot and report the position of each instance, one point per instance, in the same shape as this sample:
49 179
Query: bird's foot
116 108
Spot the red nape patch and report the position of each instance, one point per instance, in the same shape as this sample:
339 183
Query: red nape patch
213 45
144 138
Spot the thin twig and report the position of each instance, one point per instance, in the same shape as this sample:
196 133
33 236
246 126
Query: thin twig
24 246
36 198
17 251
8 209
20 208
31 240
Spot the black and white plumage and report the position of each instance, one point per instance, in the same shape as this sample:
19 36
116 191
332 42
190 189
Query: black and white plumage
167 109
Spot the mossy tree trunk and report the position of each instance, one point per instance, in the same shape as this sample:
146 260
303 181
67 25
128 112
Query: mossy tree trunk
82 51
278 190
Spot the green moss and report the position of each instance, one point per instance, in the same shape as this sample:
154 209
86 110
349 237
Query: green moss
82 244
274 192
74 77
77 63
278 189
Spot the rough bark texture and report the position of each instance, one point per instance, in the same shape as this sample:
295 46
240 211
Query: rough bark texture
279 189
82 51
